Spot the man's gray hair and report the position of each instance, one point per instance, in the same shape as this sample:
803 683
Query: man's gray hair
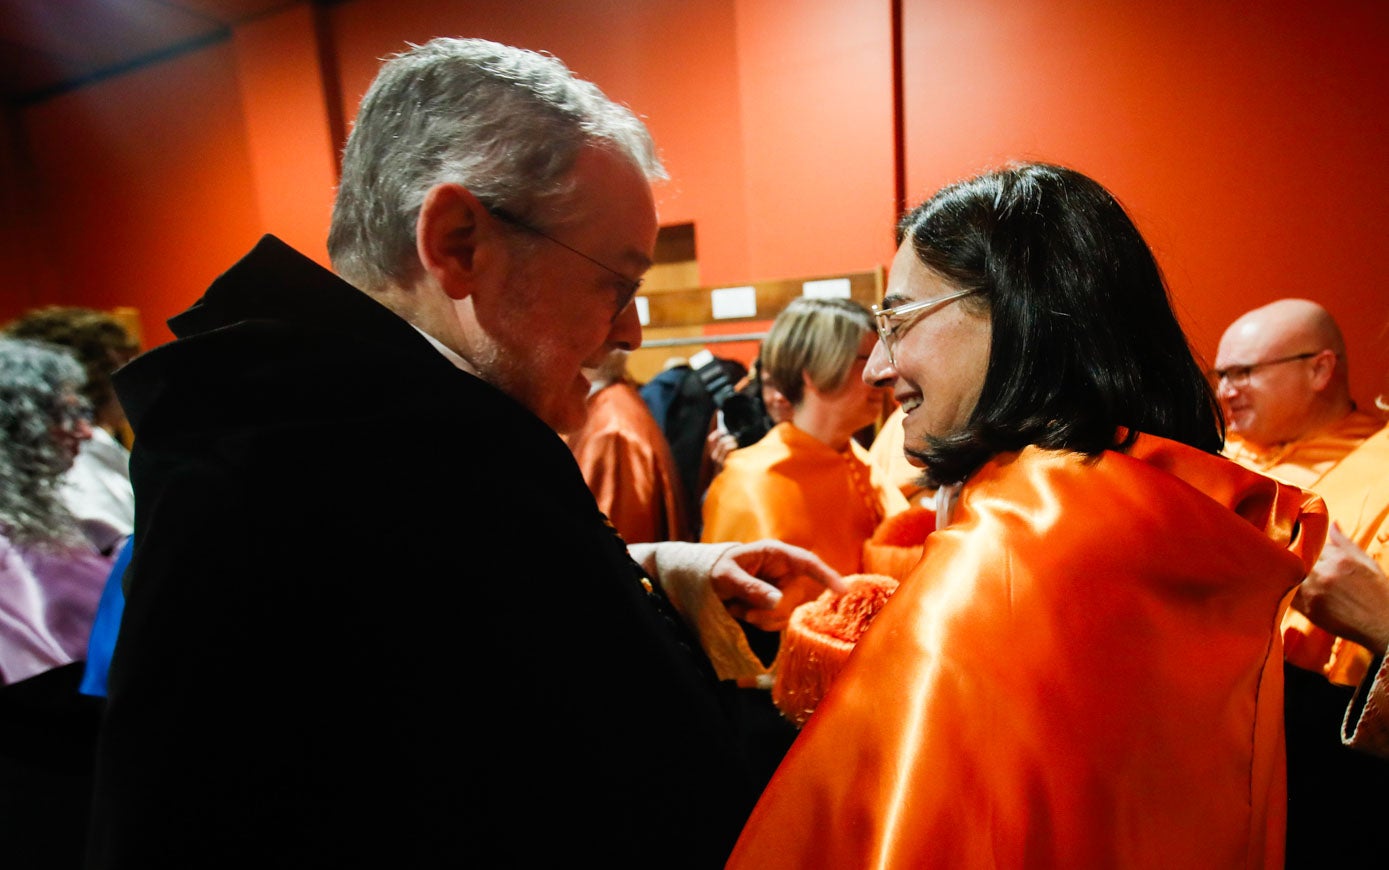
506 123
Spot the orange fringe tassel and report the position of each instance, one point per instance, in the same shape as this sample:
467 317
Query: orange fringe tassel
818 640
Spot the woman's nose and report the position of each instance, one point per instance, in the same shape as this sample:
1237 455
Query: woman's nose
879 370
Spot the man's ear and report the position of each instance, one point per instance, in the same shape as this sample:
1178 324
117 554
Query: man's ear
456 238
1323 366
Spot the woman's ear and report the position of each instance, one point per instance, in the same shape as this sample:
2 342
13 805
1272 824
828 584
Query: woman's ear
457 239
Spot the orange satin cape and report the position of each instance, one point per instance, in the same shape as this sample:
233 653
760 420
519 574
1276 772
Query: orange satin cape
1314 463
1083 671
793 487
629 467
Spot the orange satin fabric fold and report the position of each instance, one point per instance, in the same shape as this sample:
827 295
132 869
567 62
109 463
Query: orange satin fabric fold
1356 493
1082 671
628 465
1303 462
793 487
1314 463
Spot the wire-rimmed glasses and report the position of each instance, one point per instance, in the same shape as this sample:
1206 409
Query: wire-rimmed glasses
890 327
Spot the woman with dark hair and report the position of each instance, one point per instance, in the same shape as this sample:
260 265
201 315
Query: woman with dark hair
1083 670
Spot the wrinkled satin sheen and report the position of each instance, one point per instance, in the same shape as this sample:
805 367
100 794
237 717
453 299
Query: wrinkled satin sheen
1082 671
1356 492
793 487
48 600
628 465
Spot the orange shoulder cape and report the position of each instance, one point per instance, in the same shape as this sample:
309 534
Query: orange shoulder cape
1083 670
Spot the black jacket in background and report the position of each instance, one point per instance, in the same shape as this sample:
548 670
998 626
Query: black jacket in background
375 618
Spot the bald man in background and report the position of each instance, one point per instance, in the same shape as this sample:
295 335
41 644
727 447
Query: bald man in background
1282 381
1281 373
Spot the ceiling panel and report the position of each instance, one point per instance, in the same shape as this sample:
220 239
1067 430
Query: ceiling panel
48 46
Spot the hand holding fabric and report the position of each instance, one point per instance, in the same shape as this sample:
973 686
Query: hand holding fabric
764 581
710 584
1347 593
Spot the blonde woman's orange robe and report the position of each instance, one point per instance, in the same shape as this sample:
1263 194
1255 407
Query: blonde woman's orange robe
1083 671
795 488
1314 463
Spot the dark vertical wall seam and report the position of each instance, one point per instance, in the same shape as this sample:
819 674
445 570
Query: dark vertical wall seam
899 121
332 83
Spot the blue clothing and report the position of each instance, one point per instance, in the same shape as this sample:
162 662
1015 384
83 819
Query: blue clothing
108 621
659 393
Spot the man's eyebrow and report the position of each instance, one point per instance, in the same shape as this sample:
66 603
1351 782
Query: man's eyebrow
637 258
892 300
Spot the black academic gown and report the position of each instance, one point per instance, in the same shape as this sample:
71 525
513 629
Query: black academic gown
375 618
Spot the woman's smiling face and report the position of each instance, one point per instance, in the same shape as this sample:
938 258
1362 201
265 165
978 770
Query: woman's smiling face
939 358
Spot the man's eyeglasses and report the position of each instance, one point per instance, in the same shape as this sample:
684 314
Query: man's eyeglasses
1238 376
629 286
891 321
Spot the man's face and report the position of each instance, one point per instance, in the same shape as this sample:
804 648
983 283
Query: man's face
941 356
566 312
1272 403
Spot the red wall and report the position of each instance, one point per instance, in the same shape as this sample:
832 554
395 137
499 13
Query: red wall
289 136
1247 140
142 186
674 62
1244 138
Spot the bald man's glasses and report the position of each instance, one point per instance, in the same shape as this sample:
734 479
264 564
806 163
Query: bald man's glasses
1238 376
628 285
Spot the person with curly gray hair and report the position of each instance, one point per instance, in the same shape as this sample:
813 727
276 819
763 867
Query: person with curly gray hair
97 486
374 616
50 576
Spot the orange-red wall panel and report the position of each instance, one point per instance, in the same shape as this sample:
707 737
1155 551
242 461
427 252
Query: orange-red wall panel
29 279
674 62
1246 140
293 155
816 90
147 186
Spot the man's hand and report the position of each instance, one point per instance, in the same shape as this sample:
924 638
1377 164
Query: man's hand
718 444
1347 593
789 576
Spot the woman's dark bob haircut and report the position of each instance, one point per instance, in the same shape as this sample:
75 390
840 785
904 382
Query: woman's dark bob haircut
1086 351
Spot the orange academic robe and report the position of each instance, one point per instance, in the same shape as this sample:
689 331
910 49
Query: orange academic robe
1082 671
1313 463
1305 461
628 465
793 487
1357 497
